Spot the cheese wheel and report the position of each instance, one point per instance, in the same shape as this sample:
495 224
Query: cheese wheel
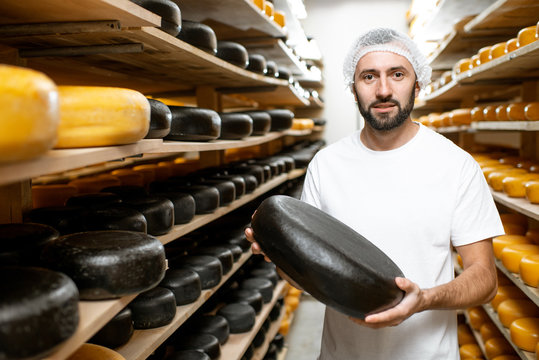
22 243
235 126
514 186
215 325
512 254
241 317
531 111
445 119
160 119
158 211
171 19
477 114
94 184
446 78
489 113
266 273
500 242
501 113
129 177
497 50
495 179
435 120
525 333
269 9
475 61
259 4
184 205
238 181
513 309
92 352
205 343
208 268
477 316
116 332
29 109
257 64
250 297
190 123
35 304
272 68
220 252
484 55
101 116
529 270
489 330
511 45
199 35
464 335
233 53
515 111
487 170
527 35
108 264
470 351
184 283
261 122
112 217
461 117
280 18
281 119
153 308
498 346
505 292
52 195
94 200
263 285
462 65
532 191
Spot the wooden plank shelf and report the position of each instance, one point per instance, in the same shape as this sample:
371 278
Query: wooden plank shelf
144 342
504 15
521 205
531 292
278 51
506 125
282 95
476 335
93 316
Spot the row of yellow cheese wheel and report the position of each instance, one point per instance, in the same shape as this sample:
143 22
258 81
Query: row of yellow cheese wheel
524 37
495 345
268 9
291 303
514 111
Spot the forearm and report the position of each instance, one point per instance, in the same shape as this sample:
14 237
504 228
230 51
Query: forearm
287 278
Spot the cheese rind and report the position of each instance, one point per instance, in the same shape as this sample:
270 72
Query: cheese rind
505 292
531 111
497 346
500 242
525 333
512 254
529 270
513 309
92 352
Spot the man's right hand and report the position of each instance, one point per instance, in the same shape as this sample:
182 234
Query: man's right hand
255 247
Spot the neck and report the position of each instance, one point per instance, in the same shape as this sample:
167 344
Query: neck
388 140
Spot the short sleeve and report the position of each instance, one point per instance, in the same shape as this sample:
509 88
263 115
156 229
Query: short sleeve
310 193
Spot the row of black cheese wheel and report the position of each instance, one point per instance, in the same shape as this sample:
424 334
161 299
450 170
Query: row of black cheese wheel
186 123
203 37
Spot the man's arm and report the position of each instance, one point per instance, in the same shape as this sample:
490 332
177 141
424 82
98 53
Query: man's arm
476 285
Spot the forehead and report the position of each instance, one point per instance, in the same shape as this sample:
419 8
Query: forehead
382 61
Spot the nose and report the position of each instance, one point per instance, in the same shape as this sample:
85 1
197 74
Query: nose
383 89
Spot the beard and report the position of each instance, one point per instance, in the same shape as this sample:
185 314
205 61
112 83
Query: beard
386 122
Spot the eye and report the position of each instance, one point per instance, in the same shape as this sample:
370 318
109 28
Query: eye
368 77
398 74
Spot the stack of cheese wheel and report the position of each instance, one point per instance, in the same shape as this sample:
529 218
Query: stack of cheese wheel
291 303
495 178
505 292
513 254
498 346
515 185
526 36
465 335
29 110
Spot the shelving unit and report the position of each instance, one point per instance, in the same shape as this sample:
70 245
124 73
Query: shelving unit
261 351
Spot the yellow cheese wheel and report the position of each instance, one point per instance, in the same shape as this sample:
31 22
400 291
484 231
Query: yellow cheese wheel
512 160
495 179
525 333
461 117
500 242
497 50
462 65
160 172
489 113
446 78
101 116
488 331
464 335
513 185
484 54
52 195
292 301
515 111
498 346
529 270
489 162
477 113
475 61
514 229
505 292
269 9
514 218
29 110
445 119
477 316
531 111
284 327
471 351
512 309
527 35
93 184
93 352
129 177
506 357
512 254
533 234
526 164
487 170
280 18
532 191
511 45
501 113
260 4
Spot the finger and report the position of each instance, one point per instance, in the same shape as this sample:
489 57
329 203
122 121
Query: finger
249 234
405 284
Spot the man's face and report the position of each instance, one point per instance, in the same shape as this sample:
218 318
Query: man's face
385 89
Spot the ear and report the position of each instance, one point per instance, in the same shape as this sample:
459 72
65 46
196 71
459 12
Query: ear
354 91
417 89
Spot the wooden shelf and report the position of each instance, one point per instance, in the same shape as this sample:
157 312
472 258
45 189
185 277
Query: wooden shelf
506 15
144 342
261 351
476 335
93 316
276 50
531 292
282 96
506 125
238 343
521 205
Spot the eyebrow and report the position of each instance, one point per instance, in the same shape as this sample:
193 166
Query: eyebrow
394 68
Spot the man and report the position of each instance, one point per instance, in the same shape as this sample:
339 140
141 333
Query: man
414 194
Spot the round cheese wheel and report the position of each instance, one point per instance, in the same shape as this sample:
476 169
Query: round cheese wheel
470 351
462 65
261 122
236 250
259 338
501 113
532 191
240 317
515 111
514 186
280 18
529 270
512 254
184 205
250 169
445 119
511 45
497 346
281 119
153 308
233 53
188 355
21 244
129 177
52 195
525 333
489 330
116 332
250 297
484 55
489 113
101 116
35 304
215 325
257 64
266 273
126 191
477 316
56 216
205 343
92 352
275 311
220 252
497 50
193 124
495 178
512 309
235 126
505 292
461 117
160 119
487 170
208 268
272 68
477 114
238 181
108 264
158 211
500 242
171 18
527 35
531 111
284 73
184 283
29 109
475 60
94 184
94 200
115 217
263 285
199 35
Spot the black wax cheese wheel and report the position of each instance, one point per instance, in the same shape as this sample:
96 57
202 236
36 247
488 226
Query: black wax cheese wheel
207 198
206 343
188 355
160 119
171 19
272 69
251 182
241 317
211 324
238 181
126 191
200 35
209 269
116 332
158 211
38 311
281 119
108 264
264 285
271 354
22 243
259 338
288 162
220 252
269 274
261 122
266 325
184 283
239 240
227 190
116 217
235 126
58 217
193 124
256 170
257 64
184 205
153 308
100 199
236 250
270 168
292 233
283 73
278 340
233 53
249 353
250 297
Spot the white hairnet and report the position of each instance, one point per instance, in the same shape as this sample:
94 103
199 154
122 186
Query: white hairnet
383 39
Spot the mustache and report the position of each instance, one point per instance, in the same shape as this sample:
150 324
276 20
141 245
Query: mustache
385 101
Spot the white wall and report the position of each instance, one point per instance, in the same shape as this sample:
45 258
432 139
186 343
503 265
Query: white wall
335 24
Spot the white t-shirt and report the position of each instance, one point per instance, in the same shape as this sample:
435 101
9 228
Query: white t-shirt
412 202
